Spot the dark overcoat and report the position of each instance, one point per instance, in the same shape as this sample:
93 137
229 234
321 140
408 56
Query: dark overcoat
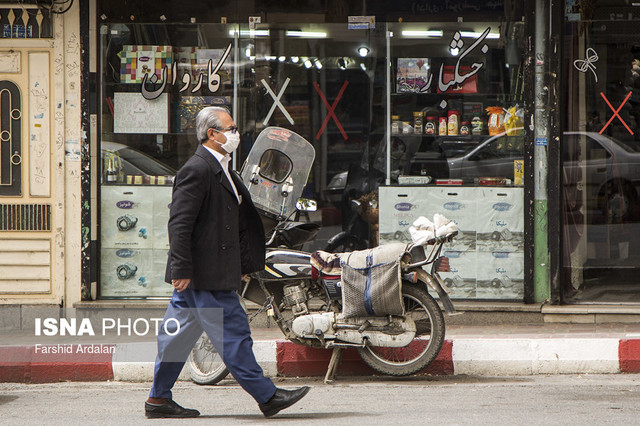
213 240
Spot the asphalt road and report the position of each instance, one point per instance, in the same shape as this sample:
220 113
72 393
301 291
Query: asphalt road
452 400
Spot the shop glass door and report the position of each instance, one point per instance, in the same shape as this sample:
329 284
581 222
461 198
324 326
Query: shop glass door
601 157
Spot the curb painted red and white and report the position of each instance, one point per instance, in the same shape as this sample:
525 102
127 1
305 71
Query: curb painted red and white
473 356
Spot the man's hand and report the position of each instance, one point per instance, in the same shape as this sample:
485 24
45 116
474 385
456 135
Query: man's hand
181 284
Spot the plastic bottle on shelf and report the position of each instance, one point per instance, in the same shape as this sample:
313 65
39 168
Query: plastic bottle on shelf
453 122
477 126
442 126
112 174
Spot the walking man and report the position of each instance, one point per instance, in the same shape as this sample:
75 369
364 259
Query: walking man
215 236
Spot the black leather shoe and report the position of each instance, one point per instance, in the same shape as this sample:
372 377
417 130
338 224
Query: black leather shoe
282 399
168 410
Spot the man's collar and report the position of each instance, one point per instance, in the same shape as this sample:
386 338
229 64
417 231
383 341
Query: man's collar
221 158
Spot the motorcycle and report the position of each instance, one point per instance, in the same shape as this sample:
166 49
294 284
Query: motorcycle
376 300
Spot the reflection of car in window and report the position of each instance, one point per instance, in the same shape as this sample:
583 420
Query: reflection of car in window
134 162
492 158
608 170
275 165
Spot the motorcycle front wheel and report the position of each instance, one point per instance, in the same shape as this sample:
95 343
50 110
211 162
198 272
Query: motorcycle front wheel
206 366
426 345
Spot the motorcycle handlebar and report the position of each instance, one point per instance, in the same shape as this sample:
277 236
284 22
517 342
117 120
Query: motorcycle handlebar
435 251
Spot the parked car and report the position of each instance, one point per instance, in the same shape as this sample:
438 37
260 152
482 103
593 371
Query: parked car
611 168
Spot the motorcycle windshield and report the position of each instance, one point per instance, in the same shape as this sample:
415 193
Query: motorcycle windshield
276 170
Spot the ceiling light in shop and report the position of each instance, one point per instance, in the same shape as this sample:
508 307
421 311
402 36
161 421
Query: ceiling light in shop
307 63
306 34
295 59
270 58
473 34
363 51
318 65
426 33
250 33
363 66
282 58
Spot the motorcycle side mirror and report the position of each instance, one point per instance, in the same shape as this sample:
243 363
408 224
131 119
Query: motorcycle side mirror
306 205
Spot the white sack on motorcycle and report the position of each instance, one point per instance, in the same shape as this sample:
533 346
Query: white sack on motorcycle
371 281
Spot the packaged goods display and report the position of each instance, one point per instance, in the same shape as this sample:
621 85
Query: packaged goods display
486 258
514 121
496 120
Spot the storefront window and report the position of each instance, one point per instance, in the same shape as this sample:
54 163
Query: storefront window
317 80
457 148
412 118
155 78
601 156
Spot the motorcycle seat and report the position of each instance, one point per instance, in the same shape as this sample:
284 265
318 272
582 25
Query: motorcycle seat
382 254
326 263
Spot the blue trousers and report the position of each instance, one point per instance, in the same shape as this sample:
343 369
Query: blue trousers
193 311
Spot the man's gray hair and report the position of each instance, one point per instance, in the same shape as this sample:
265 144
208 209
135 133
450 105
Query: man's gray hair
208 118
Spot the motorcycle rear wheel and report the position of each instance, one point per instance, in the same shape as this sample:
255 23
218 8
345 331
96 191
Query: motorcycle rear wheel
426 345
206 366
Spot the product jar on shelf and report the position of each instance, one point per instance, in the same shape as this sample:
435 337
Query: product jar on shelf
431 125
396 124
417 122
465 128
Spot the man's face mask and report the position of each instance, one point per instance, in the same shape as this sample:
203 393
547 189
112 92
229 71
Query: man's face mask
233 141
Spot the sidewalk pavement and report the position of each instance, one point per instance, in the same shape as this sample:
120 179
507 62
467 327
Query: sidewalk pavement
492 350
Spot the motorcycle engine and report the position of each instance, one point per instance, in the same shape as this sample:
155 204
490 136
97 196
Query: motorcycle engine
295 297
314 325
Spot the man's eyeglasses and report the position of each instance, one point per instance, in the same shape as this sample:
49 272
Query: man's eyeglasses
232 129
